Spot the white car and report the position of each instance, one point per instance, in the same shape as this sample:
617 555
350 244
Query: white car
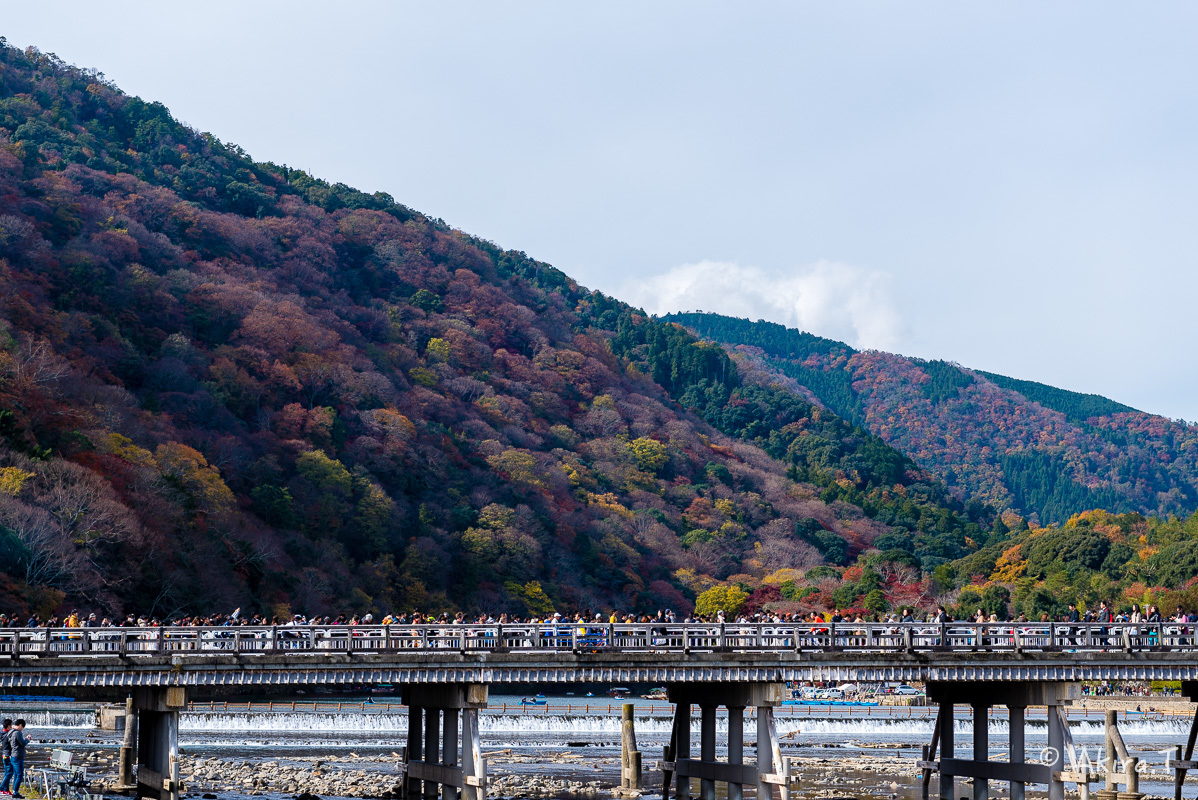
906 690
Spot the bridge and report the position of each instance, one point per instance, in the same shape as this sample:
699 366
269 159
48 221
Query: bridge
586 652
445 671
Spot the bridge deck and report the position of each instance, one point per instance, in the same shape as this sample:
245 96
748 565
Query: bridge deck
548 653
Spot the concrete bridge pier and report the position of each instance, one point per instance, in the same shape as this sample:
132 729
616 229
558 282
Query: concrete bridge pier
1016 696
770 768
437 761
156 722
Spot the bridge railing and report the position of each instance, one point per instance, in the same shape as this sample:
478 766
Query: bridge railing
602 637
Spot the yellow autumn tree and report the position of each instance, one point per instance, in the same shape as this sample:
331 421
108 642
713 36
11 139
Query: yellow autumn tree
518 466
12 479
437 349
123 447
729 599
782 576
532 595
1010 566
649 454
188 471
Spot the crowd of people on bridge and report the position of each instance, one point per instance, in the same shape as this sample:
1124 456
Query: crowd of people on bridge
1104 613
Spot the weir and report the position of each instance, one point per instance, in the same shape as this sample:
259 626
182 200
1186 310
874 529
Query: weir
443 723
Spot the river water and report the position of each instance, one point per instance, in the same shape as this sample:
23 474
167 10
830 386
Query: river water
574 736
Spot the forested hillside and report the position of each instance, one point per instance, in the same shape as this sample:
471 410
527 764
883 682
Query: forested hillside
1013 444
1093 557
229 383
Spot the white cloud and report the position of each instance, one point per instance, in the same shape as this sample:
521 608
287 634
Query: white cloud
839 301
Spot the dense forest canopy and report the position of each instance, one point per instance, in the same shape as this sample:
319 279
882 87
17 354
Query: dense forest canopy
227 383
1075 406
1012 444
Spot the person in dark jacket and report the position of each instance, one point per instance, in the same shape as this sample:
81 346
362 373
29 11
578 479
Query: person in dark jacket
17 741
1073 616
1105 614
6 755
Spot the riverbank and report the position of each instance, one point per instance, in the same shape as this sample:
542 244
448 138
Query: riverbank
552 754
511 776
887 776
1151 704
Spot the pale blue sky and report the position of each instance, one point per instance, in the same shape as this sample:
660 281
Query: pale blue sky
1011 186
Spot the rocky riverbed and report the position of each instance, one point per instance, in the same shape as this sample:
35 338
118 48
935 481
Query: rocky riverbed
511 775
354 775
887 777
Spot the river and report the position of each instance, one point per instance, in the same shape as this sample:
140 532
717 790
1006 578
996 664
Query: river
845 751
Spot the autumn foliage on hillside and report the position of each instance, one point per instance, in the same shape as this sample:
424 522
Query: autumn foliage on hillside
1011 444
1125 560
225 382
228 383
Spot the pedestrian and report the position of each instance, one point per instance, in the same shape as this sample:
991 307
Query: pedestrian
17 741
1073 616
1104 615
6 755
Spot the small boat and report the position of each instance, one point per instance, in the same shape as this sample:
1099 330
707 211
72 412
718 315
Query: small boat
532 701
619 692
657 694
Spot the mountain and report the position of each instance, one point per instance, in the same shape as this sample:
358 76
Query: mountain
1013 444
227 383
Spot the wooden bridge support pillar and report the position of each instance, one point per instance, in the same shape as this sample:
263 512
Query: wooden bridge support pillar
1016 696
126 781
707 748
1016 718
948 778
437 761
1184 761
736 746
156 717
1121 768
981 748
631 774
771 768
